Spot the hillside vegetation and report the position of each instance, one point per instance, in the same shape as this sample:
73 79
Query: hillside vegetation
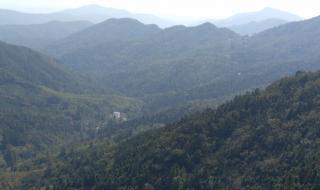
262 140
43 106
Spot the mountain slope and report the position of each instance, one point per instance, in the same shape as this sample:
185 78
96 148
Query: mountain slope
258 60
262 140
292 36
40 35
43 106
283 50
21 64
256 27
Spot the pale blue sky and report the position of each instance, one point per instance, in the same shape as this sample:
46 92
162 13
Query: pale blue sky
174 8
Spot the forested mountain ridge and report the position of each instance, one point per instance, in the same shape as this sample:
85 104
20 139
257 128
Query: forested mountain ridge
110 31
128 59
262 140
178 62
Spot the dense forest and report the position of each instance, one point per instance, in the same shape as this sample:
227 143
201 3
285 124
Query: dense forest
266 139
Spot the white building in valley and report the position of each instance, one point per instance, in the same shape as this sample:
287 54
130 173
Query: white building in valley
119 116
116 115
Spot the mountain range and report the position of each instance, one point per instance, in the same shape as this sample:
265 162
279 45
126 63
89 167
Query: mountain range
90 13
190 114
122 55
96 14
183 61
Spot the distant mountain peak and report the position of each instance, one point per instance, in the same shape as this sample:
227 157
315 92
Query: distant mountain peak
279 13
258 16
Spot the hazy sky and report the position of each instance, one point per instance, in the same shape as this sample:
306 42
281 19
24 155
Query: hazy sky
174 8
